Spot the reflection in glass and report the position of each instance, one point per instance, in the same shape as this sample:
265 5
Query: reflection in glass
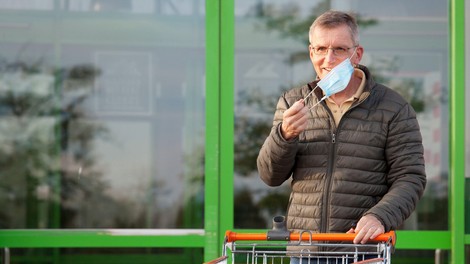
407 52
102 120
106 255
438 256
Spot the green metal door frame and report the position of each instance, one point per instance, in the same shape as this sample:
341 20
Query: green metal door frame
457 131
454 239
219 124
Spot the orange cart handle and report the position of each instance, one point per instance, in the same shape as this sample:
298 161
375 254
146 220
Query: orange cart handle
307 236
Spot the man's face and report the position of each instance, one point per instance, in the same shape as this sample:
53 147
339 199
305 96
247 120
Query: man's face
329 39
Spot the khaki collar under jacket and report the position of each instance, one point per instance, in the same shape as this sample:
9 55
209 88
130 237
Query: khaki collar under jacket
371 163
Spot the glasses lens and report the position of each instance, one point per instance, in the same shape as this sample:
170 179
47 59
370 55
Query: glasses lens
339 51
321 51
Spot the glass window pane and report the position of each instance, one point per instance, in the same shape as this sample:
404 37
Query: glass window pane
405 49
467 252
102 114
106 255
438 256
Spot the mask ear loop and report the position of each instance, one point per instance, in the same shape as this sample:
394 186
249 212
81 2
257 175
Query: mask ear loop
324 97
313 90
310 92
317 103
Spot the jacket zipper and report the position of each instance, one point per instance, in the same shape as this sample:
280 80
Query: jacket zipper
325 221
328 184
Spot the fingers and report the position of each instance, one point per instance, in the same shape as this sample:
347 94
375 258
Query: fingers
294 120
296 111
367 234
368 227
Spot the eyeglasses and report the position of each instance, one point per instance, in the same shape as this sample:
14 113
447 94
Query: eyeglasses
336 51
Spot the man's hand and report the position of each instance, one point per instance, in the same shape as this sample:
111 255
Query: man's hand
368 227
294 120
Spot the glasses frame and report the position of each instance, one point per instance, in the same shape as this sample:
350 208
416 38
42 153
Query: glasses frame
334 50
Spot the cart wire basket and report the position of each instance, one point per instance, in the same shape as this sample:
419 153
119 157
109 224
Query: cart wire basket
279 246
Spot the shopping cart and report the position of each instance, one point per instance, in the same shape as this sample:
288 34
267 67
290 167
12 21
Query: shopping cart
279 245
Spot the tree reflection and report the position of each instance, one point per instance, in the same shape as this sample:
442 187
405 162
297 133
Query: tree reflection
289 23
48 176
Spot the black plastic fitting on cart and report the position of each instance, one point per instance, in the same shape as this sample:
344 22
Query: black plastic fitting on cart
279 231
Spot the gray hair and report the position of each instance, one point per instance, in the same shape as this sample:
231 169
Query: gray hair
333 19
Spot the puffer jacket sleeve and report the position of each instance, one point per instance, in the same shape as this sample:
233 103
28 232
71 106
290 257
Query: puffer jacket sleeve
277 155
406 178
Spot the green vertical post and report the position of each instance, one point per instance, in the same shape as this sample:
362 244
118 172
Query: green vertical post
212 163
227 115
218 214
457 130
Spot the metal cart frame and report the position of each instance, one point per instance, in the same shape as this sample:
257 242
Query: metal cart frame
279 245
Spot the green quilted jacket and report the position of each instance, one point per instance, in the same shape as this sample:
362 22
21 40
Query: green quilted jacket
371 163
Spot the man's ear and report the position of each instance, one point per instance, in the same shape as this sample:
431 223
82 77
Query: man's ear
310 52
357 57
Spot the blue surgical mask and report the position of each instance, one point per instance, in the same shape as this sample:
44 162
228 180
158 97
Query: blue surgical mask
335 81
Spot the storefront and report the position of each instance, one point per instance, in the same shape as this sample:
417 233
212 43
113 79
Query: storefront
129 129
